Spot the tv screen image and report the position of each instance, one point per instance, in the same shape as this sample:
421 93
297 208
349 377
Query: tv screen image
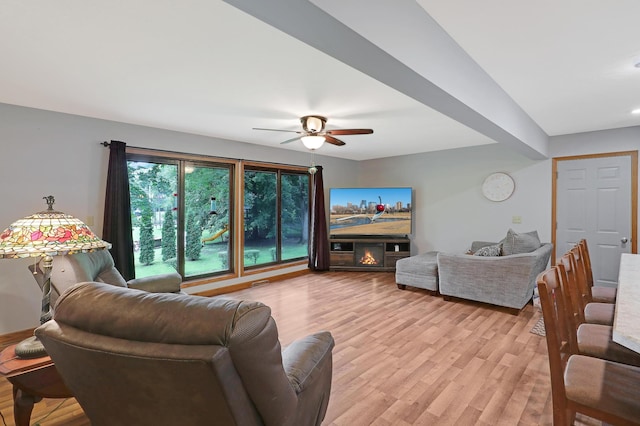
370 211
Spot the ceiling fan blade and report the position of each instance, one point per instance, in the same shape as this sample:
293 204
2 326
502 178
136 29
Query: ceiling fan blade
291 140
349 132
330 139
277 130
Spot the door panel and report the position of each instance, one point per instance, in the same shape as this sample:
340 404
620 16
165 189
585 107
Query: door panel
607 264
594 201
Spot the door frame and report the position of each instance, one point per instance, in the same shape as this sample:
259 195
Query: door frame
634 193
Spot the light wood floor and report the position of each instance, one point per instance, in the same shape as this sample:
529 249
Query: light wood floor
401 357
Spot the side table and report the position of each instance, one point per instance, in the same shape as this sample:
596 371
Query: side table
32 380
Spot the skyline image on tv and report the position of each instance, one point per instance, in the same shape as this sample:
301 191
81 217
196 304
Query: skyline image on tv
370 211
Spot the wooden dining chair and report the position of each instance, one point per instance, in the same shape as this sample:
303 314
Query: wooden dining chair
594 312
605 390
598 293
588 339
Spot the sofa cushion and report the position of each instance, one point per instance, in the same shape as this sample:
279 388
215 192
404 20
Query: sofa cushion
419 271
494 250
515 243
477 245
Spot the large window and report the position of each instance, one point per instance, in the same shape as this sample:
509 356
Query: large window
152 187
260 217
294 231
183 215
207 216
187 233
276 216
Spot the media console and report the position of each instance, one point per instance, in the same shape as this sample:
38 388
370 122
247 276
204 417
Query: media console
367 253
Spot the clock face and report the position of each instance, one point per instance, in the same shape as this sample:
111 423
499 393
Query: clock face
498 186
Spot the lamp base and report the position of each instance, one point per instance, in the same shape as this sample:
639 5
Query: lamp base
30 348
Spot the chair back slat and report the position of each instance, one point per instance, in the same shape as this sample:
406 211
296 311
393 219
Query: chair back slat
575 301
570 317
584 252
583 285
556 332
551 295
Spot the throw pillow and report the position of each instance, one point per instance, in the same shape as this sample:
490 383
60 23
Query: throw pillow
493 250
515 243
477 245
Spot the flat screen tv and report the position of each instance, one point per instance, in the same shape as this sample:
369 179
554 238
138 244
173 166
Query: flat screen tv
370 211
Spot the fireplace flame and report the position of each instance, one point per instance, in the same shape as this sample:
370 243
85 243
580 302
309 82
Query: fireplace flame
368 259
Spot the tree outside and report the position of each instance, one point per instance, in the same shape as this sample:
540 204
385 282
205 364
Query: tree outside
169 250
193 244
147 252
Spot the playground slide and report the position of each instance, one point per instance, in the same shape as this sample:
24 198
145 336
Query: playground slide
216 235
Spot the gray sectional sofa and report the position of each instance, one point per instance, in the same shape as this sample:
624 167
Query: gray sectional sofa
502 280
507 279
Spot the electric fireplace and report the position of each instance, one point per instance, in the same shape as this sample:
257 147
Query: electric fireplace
369 254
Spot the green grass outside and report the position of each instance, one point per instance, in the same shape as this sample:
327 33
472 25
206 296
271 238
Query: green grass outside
211 261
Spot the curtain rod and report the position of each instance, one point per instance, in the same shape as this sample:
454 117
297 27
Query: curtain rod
106 144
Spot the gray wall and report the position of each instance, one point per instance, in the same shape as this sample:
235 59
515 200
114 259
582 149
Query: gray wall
49 153
625 139
46 153
450 210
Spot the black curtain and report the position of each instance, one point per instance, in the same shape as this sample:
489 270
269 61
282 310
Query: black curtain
319 243
117 211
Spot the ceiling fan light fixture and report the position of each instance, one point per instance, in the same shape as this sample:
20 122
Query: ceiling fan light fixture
313 133
312 142
313 123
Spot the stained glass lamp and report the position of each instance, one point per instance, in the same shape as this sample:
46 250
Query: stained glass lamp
44 235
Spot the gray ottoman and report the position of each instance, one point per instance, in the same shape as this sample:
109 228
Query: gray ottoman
418 271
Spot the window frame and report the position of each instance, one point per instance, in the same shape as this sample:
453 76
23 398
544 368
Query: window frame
279 170
236 261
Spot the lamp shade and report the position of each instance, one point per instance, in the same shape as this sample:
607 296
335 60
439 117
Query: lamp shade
48 233
312 142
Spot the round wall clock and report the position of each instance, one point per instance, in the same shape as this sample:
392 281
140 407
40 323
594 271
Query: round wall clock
498 186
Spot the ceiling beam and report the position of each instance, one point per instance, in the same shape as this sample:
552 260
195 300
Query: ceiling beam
400 45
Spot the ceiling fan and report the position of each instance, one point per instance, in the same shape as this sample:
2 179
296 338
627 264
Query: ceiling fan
314 135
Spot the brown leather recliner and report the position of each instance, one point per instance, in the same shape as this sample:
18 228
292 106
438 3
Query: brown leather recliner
137 358
98 266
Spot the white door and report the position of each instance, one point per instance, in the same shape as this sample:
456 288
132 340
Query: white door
594 201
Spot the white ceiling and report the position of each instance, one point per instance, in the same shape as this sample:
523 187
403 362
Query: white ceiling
205 67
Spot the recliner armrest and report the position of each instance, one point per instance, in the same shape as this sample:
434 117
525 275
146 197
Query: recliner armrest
303 359
165 283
